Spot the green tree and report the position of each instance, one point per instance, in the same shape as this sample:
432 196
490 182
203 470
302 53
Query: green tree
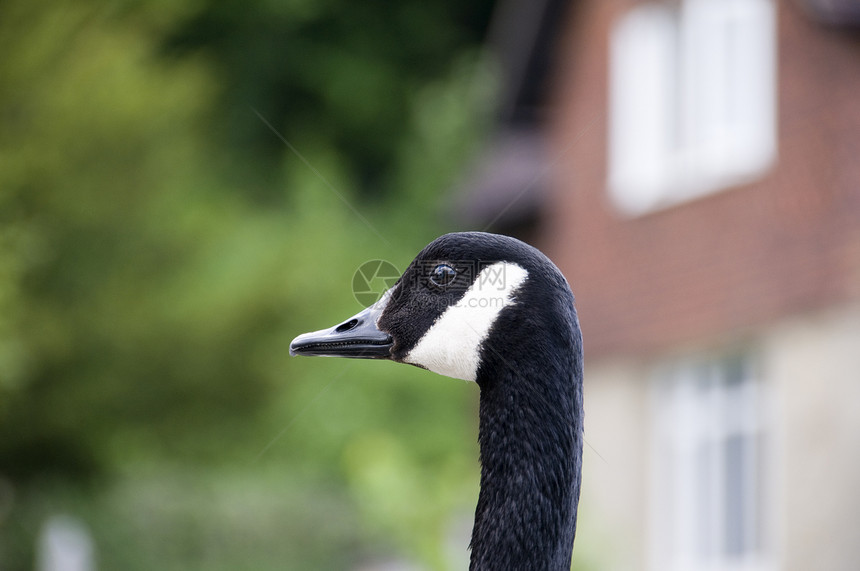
160 245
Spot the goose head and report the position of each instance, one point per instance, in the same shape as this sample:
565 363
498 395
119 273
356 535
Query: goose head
441 312
491 309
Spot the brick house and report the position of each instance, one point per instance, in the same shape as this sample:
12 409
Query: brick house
693 167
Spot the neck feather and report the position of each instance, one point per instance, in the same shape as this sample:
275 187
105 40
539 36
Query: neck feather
530 436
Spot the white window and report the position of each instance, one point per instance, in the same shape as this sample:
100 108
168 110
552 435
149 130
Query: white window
692 100
710 477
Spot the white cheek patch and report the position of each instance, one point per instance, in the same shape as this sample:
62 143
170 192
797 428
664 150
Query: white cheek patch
452 345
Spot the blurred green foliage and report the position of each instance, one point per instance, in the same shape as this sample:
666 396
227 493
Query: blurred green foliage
160 245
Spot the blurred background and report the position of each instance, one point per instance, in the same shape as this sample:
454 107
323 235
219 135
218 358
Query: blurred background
162 242
186 186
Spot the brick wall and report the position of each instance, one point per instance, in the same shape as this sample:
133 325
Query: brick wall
722 265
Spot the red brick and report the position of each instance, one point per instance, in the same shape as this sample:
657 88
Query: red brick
721 265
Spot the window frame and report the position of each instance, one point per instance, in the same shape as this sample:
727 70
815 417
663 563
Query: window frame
688 117
701 403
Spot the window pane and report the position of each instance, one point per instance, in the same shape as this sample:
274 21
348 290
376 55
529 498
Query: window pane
711 476
735 371
704 515
692 99
642 89
737 497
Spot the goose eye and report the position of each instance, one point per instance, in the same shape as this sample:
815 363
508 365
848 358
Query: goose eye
442 275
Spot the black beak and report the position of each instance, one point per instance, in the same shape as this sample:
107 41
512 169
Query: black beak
357 337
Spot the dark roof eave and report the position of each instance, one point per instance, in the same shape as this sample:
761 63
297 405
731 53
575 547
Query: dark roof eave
506 184
841 13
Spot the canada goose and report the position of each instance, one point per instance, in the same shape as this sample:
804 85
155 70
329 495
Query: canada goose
494 310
